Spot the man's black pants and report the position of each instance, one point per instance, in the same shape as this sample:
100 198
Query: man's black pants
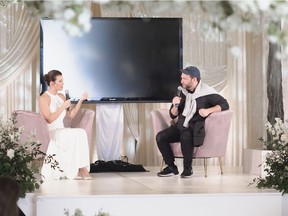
176 134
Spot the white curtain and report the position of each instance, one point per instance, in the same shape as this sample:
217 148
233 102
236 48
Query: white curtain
241 81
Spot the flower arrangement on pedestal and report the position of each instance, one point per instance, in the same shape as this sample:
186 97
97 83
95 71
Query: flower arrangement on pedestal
19 161
276 162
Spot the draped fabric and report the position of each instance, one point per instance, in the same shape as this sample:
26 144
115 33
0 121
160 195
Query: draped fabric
109 130
19 59
240 80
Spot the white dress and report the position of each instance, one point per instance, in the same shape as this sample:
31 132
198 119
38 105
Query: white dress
70 146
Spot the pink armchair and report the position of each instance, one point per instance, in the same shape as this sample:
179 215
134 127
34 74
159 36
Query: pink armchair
84 119
35 121
217 126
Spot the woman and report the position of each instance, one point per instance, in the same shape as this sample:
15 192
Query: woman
70 145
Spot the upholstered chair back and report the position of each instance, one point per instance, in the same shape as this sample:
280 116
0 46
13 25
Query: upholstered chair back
33 121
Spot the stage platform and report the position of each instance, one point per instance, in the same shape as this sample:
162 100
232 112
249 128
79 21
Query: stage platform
143 194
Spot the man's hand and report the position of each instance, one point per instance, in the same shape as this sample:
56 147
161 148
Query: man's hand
204 112
176 101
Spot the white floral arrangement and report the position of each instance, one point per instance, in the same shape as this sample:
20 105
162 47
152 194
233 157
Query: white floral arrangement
277 134
223 16
74 14
19 161
252 16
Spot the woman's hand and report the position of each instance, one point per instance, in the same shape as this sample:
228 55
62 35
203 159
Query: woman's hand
84 96
67 104
75 110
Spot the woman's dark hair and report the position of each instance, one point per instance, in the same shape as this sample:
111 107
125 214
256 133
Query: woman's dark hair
51 76
9 195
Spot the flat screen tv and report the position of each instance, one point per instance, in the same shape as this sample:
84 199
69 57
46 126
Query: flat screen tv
118 60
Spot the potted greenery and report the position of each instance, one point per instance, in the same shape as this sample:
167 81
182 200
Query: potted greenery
19 161
276 162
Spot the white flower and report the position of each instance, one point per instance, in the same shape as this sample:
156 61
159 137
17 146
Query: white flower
69 14
268 126
278 55
273 38
284 138
264 5
247 6
10 153
12 137
281 9
84 17
54 8
102 1
232 22
236 51
72 30
87 27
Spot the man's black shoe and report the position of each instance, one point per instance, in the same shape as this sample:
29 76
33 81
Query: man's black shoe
187 173
168 171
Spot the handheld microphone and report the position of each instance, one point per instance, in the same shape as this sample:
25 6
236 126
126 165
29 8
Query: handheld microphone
67 97
178 93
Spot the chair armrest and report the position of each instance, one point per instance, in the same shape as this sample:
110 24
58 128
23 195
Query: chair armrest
217 126
84 119
160 119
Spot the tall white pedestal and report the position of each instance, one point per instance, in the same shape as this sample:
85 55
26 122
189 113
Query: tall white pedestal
254 161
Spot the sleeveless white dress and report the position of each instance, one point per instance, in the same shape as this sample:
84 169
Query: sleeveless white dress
70 146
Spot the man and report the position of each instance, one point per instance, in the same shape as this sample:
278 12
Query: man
192 105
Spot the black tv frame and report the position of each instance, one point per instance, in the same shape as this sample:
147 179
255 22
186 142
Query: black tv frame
112 99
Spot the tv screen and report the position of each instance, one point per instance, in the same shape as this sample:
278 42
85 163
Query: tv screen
119 59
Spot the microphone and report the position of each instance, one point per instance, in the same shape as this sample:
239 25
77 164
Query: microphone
67 97
179 89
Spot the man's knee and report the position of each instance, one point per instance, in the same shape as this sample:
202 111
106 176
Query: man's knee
159 137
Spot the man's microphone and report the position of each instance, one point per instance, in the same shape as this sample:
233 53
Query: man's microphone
67 97
178 94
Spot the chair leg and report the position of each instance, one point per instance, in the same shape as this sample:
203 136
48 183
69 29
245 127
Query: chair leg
205 167
220 164
162 163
